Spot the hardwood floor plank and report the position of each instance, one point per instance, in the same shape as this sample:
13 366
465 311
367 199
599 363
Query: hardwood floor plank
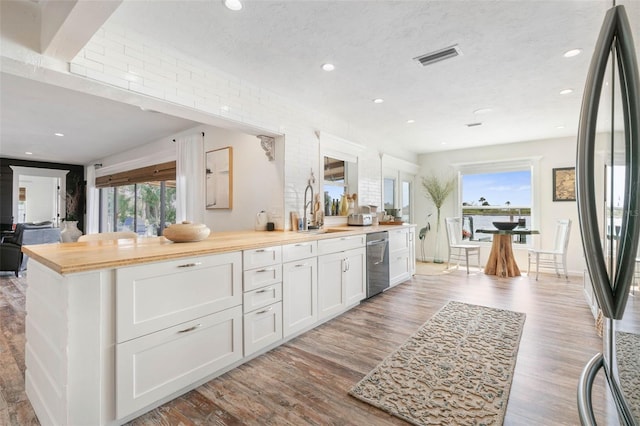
306 380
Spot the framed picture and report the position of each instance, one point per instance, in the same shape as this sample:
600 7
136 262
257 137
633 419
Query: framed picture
219 175
564 184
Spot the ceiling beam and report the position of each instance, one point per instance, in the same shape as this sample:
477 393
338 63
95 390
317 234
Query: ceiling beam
67 26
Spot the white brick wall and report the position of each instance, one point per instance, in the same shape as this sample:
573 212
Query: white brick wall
130 61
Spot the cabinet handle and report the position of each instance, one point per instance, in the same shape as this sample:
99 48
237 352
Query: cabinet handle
265 270
301 265
300 245
264 290
264 311
186 330
263 250
190 265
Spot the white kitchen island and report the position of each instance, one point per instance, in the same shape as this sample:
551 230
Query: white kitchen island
116 328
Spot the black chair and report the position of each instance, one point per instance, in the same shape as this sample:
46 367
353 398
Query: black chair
11 256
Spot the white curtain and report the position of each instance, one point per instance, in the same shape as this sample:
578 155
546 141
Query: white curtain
190 179
93 202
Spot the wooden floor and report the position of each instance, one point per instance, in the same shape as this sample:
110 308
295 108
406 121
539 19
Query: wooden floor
306 380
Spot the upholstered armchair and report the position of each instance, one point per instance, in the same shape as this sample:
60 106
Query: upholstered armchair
11 256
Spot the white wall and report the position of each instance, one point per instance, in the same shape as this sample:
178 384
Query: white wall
258 184
42 193
553 153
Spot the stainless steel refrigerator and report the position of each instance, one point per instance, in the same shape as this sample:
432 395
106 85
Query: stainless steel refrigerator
608 198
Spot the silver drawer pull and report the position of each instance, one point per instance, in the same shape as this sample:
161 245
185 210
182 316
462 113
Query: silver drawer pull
301 265
186 330
190 265
264 311
263 250
264 290
265 270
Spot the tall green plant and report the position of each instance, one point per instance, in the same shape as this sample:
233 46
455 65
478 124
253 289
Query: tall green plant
437 191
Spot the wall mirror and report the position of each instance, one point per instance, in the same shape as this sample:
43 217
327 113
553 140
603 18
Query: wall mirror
339 177
219 178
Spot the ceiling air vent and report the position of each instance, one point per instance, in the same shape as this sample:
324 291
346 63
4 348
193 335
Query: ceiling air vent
439 55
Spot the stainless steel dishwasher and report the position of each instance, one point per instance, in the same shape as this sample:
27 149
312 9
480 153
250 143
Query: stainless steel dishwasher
377 262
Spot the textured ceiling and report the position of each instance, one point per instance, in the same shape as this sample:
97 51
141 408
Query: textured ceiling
511 62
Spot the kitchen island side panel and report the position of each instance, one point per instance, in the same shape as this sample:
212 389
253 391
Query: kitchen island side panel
70 349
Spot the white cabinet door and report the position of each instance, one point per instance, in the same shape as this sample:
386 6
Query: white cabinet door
156 365
355 276
331 295
399 267
262 328
299 299
154 296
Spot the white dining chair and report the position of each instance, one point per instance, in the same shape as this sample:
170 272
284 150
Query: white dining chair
458 249
556 257
118 235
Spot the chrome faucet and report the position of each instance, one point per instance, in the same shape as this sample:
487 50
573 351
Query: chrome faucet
309 203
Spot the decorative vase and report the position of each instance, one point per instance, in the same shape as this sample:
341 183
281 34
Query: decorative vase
186 232
436 252
70 233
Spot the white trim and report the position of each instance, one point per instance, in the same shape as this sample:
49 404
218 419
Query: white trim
502 165
339 148
391 162
152 158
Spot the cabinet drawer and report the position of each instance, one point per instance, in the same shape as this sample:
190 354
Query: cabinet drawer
262 328
398 239
261 277
155 296
261 297
299 251
151 367
261 257
334 245
399 268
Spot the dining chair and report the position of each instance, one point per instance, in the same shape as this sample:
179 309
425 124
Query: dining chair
458 249
108 236
556 257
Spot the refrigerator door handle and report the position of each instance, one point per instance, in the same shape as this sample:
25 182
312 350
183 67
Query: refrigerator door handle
585 407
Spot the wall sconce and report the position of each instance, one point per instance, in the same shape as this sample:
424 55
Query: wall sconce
268 144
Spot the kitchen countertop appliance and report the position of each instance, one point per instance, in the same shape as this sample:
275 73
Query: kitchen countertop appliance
360 219
377 262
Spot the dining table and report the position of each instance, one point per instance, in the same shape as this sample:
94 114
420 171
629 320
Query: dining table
502 262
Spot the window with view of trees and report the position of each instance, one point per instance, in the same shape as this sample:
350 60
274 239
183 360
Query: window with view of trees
502 196
145 208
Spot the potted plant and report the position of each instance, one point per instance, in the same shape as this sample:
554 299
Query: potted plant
437 191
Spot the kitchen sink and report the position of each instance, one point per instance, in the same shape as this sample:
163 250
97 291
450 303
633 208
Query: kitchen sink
323 231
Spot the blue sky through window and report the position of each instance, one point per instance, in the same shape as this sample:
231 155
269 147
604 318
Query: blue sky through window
498 188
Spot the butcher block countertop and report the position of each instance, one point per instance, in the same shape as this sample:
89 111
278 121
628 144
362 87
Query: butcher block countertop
69 258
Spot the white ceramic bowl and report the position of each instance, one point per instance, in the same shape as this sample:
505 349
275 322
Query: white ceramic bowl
186 232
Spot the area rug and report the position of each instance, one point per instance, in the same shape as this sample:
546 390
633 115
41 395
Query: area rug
455 370
627 348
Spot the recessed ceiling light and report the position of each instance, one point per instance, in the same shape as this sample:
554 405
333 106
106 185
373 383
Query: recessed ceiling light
234 5
560 127
28 152
566 91
378 100
571 53
411 121
443 143
59 134
328 67
225 108
482 111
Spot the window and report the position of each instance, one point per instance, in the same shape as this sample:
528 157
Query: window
389 193
145 208
498 195
406 201
340 178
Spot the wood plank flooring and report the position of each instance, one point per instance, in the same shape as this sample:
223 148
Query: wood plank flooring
305 381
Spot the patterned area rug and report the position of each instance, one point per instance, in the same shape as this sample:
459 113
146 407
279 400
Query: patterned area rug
457 369
627 348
